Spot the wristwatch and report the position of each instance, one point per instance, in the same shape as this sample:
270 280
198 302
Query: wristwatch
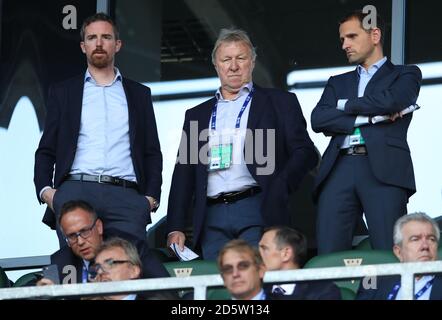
155 204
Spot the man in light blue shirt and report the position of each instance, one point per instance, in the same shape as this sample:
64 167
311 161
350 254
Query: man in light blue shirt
100 134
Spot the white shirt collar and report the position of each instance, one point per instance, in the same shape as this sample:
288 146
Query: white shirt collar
244 89
88 77
373 68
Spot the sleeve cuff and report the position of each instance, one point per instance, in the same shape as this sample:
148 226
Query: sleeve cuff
341 104
361 120
41 192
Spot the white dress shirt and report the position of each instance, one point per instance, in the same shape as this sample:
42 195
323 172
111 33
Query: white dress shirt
237 177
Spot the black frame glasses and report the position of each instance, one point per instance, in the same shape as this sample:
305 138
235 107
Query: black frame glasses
105 267
85 233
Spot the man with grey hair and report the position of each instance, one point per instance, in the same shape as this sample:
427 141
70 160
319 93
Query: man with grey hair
416 237
116 260
254 152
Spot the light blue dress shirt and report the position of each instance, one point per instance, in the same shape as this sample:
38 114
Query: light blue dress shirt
103 143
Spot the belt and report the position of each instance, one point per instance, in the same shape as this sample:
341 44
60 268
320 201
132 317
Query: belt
354 151
234 196
102 179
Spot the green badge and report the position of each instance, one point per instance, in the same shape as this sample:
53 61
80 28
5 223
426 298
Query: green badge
220 157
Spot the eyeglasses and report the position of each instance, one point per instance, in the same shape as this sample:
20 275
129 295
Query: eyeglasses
241 266
105 267
85 233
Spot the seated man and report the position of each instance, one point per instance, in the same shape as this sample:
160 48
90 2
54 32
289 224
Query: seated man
283 248
83 232
242 270
116 260
416 237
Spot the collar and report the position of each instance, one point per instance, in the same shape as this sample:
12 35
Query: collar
86 263
88 77
260 296
373 68
286 289
245 89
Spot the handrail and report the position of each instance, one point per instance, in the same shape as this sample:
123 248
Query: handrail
200 283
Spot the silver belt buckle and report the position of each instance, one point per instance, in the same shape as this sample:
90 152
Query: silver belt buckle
99 178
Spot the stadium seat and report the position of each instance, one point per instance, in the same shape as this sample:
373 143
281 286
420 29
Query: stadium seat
28 279
4 281
351 258
347 294
198 268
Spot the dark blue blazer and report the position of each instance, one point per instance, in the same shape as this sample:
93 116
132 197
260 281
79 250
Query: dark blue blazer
294 157
385 286
308 290
59 140
392 89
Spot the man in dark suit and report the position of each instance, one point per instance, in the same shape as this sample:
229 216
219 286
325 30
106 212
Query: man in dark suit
258 147
416 238
283 248
83 232
100 134
367 167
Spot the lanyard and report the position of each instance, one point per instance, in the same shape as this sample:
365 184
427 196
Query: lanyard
238 119
419 294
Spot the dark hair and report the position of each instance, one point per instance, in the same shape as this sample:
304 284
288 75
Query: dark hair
77 204
285 236
99 17
359 15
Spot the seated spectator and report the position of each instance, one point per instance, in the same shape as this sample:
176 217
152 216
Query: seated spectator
242 270
416 237
83 232
116 260
283 248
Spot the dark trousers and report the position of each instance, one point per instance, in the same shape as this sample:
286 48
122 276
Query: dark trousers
122 209
224 222
350 190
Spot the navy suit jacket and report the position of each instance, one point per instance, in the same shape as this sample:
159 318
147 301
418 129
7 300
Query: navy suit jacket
294 157
385 286
308 290
59 140
392 89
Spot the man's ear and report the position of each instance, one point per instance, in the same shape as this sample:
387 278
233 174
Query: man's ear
83 49
118 45
287 254
99 225
397 252
135 272
376 35
262 270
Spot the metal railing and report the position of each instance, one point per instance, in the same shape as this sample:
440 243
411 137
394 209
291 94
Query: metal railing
201 283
